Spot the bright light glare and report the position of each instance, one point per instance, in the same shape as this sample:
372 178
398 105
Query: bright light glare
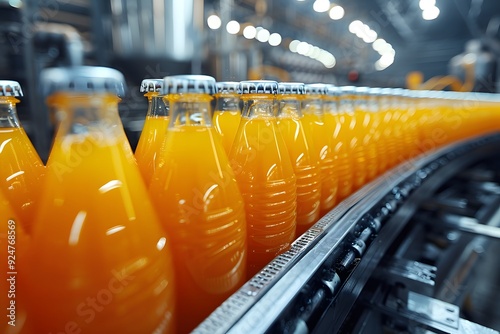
426 4
214 22
379 44
386 60
355 26
430 13
275 39
337 12
293 45
249 32
263 35
233 27
303 48
321 6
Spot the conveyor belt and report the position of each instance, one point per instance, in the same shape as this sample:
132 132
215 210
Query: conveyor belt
314 286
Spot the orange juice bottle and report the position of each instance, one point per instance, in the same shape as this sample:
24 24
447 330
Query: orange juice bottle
101 260
355 136
21 169
265 175
154 130
227 113
365 128
13 245
314 112
304 159
199 203
377 129
389 139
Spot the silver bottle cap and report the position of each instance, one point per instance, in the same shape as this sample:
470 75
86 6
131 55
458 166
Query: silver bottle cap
10 88
347 90
258 87
315 89
226 87
82 79
179 84
291 88
152 85
332 90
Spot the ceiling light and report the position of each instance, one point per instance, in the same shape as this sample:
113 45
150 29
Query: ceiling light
249 32
355 26
293 45
337 12
214 22
379 44
263 35
275 39
425 4
430 13
233 27
321 6
303 48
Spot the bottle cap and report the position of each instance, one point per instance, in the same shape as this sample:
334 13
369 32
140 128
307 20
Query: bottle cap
374 91
315 89
10 88
361 90
83 79
258 87
225 87
347 90
179 84
291 88
332 90
152 85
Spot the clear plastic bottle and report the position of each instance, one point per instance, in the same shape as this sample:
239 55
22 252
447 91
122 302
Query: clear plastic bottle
313 110
265 176
99 261
227 113
21 170
199 203
304 159
155 128
366 153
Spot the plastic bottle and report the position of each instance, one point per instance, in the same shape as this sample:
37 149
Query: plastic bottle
21 170
366 152
337 125
155 128
199 203
99 261
304 159
265 175
314 119
227 113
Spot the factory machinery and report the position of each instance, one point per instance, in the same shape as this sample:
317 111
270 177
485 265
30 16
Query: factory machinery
404 254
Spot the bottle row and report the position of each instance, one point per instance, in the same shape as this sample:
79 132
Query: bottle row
105 240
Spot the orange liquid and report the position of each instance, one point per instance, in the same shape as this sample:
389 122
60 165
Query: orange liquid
150 143
226 124
369 150
13 246
201 208
322 145
267 182
101 262
338 127
21 171
307 171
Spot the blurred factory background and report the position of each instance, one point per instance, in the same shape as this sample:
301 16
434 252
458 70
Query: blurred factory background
441 44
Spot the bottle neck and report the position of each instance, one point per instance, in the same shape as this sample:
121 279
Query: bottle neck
313 105
346 104
159 106
227 102
255 105
191 109
94 115
289 106
8 112
331 105
361 103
